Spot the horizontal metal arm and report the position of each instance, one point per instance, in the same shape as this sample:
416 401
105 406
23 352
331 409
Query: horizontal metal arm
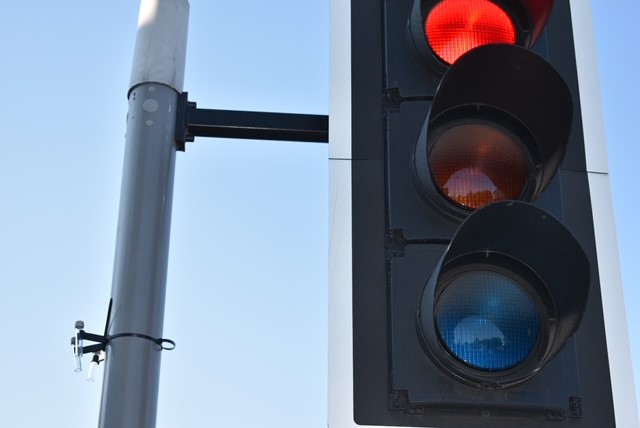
193 122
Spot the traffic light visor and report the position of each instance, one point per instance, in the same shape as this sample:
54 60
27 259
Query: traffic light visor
497 129
454 27
505 297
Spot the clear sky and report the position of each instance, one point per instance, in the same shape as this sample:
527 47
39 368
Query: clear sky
247 286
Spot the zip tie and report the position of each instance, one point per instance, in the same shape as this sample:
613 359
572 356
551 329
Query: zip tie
164 344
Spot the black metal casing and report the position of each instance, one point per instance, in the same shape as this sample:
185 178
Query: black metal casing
399 240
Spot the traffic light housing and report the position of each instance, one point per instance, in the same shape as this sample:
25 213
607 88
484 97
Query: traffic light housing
494 312
497 129
475 298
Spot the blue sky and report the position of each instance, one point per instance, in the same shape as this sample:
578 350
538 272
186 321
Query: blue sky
247 286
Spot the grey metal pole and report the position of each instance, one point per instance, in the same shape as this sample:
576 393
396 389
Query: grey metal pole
132 366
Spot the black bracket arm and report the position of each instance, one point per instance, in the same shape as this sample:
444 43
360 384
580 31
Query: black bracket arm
101 341
193 122
82 335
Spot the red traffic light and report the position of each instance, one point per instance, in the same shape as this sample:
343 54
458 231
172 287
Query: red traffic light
454 27
444 30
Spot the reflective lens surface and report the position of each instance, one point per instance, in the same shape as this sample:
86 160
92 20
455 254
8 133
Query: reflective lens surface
475 164
487 321
454 27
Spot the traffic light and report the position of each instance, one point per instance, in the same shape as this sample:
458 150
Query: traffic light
471 280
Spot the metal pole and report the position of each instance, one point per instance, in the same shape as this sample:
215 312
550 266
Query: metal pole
130 389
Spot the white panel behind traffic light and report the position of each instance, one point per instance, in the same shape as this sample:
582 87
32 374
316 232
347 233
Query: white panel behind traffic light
624 392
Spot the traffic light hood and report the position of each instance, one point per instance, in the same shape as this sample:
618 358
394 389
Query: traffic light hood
523 102
506 296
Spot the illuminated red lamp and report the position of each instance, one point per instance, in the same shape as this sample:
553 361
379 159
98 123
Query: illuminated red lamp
444 30
454 27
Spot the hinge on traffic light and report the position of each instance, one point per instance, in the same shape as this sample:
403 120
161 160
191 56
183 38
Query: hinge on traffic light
395 243
575 407
399 400
392 99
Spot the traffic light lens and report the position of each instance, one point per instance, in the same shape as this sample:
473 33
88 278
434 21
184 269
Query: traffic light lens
454 27
474 164
487 321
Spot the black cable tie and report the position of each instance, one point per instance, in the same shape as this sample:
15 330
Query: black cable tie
160 342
